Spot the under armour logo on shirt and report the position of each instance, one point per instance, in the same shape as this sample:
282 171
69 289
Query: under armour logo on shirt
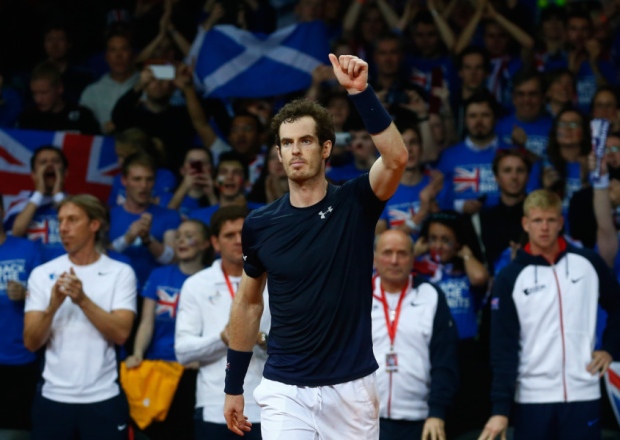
323 214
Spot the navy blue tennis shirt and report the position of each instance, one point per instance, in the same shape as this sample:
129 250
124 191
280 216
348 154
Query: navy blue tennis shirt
318 261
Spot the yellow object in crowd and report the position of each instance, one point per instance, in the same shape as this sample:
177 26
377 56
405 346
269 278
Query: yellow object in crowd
150 388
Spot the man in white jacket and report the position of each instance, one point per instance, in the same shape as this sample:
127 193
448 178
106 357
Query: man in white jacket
414 340
202 328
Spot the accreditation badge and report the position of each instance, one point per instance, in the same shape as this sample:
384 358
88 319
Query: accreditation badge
391 362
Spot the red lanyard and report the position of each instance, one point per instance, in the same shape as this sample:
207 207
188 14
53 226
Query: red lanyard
228 283
393 325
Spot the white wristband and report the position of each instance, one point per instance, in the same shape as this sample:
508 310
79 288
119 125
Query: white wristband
36 198
602 182
119 244
59 197
166 256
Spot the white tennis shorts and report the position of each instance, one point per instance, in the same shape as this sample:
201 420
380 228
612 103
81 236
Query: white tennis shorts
346 411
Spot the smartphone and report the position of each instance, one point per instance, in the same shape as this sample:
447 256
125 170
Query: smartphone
163 71
343 138
196 165
436 81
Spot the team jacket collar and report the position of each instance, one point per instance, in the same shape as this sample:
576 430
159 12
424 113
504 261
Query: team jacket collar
526 256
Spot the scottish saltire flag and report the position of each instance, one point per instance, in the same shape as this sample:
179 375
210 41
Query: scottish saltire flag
237 63
612 381
92 161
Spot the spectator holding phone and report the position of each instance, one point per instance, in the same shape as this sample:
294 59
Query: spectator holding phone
148 106
197 189
230 177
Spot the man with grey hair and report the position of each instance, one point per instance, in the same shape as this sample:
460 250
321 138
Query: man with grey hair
414 341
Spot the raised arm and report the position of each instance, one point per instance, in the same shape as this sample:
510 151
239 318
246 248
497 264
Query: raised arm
385 174
522 37
442 25
388 14
197 115
606 235
465 38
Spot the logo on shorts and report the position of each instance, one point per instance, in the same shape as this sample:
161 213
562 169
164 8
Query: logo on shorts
121 427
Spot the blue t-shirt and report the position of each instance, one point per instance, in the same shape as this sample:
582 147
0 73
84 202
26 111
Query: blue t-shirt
188 204
142 261
43 227
537 132
468 173
18 257
164 287
420 70
463 300
587 84
10 107
406 202
165 182
318 262
205 214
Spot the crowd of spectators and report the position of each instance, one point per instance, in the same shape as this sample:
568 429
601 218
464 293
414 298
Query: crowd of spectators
493 99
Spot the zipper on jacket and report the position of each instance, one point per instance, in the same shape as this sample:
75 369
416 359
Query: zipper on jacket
557 283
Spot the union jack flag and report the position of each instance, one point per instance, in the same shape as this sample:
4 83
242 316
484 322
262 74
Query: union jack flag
45 230
465 179
420 78
399 217
167 301
92 161
612 381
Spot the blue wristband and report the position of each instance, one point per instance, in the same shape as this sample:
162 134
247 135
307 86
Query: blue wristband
375 116
237 363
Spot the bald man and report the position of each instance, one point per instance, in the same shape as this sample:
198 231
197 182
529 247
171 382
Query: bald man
414 341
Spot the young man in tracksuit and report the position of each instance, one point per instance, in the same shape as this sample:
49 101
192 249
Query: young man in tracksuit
543 331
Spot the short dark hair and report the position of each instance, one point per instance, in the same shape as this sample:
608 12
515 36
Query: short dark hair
609 89
252 116
33 158
118 30
233 156
474 50
424 17
524 75
389 36
579 13
552 11
510 152
554 75
295 110
226 214
482 96
47 70
141 159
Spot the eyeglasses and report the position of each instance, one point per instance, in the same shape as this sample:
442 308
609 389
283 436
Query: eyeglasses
612 149
569 124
